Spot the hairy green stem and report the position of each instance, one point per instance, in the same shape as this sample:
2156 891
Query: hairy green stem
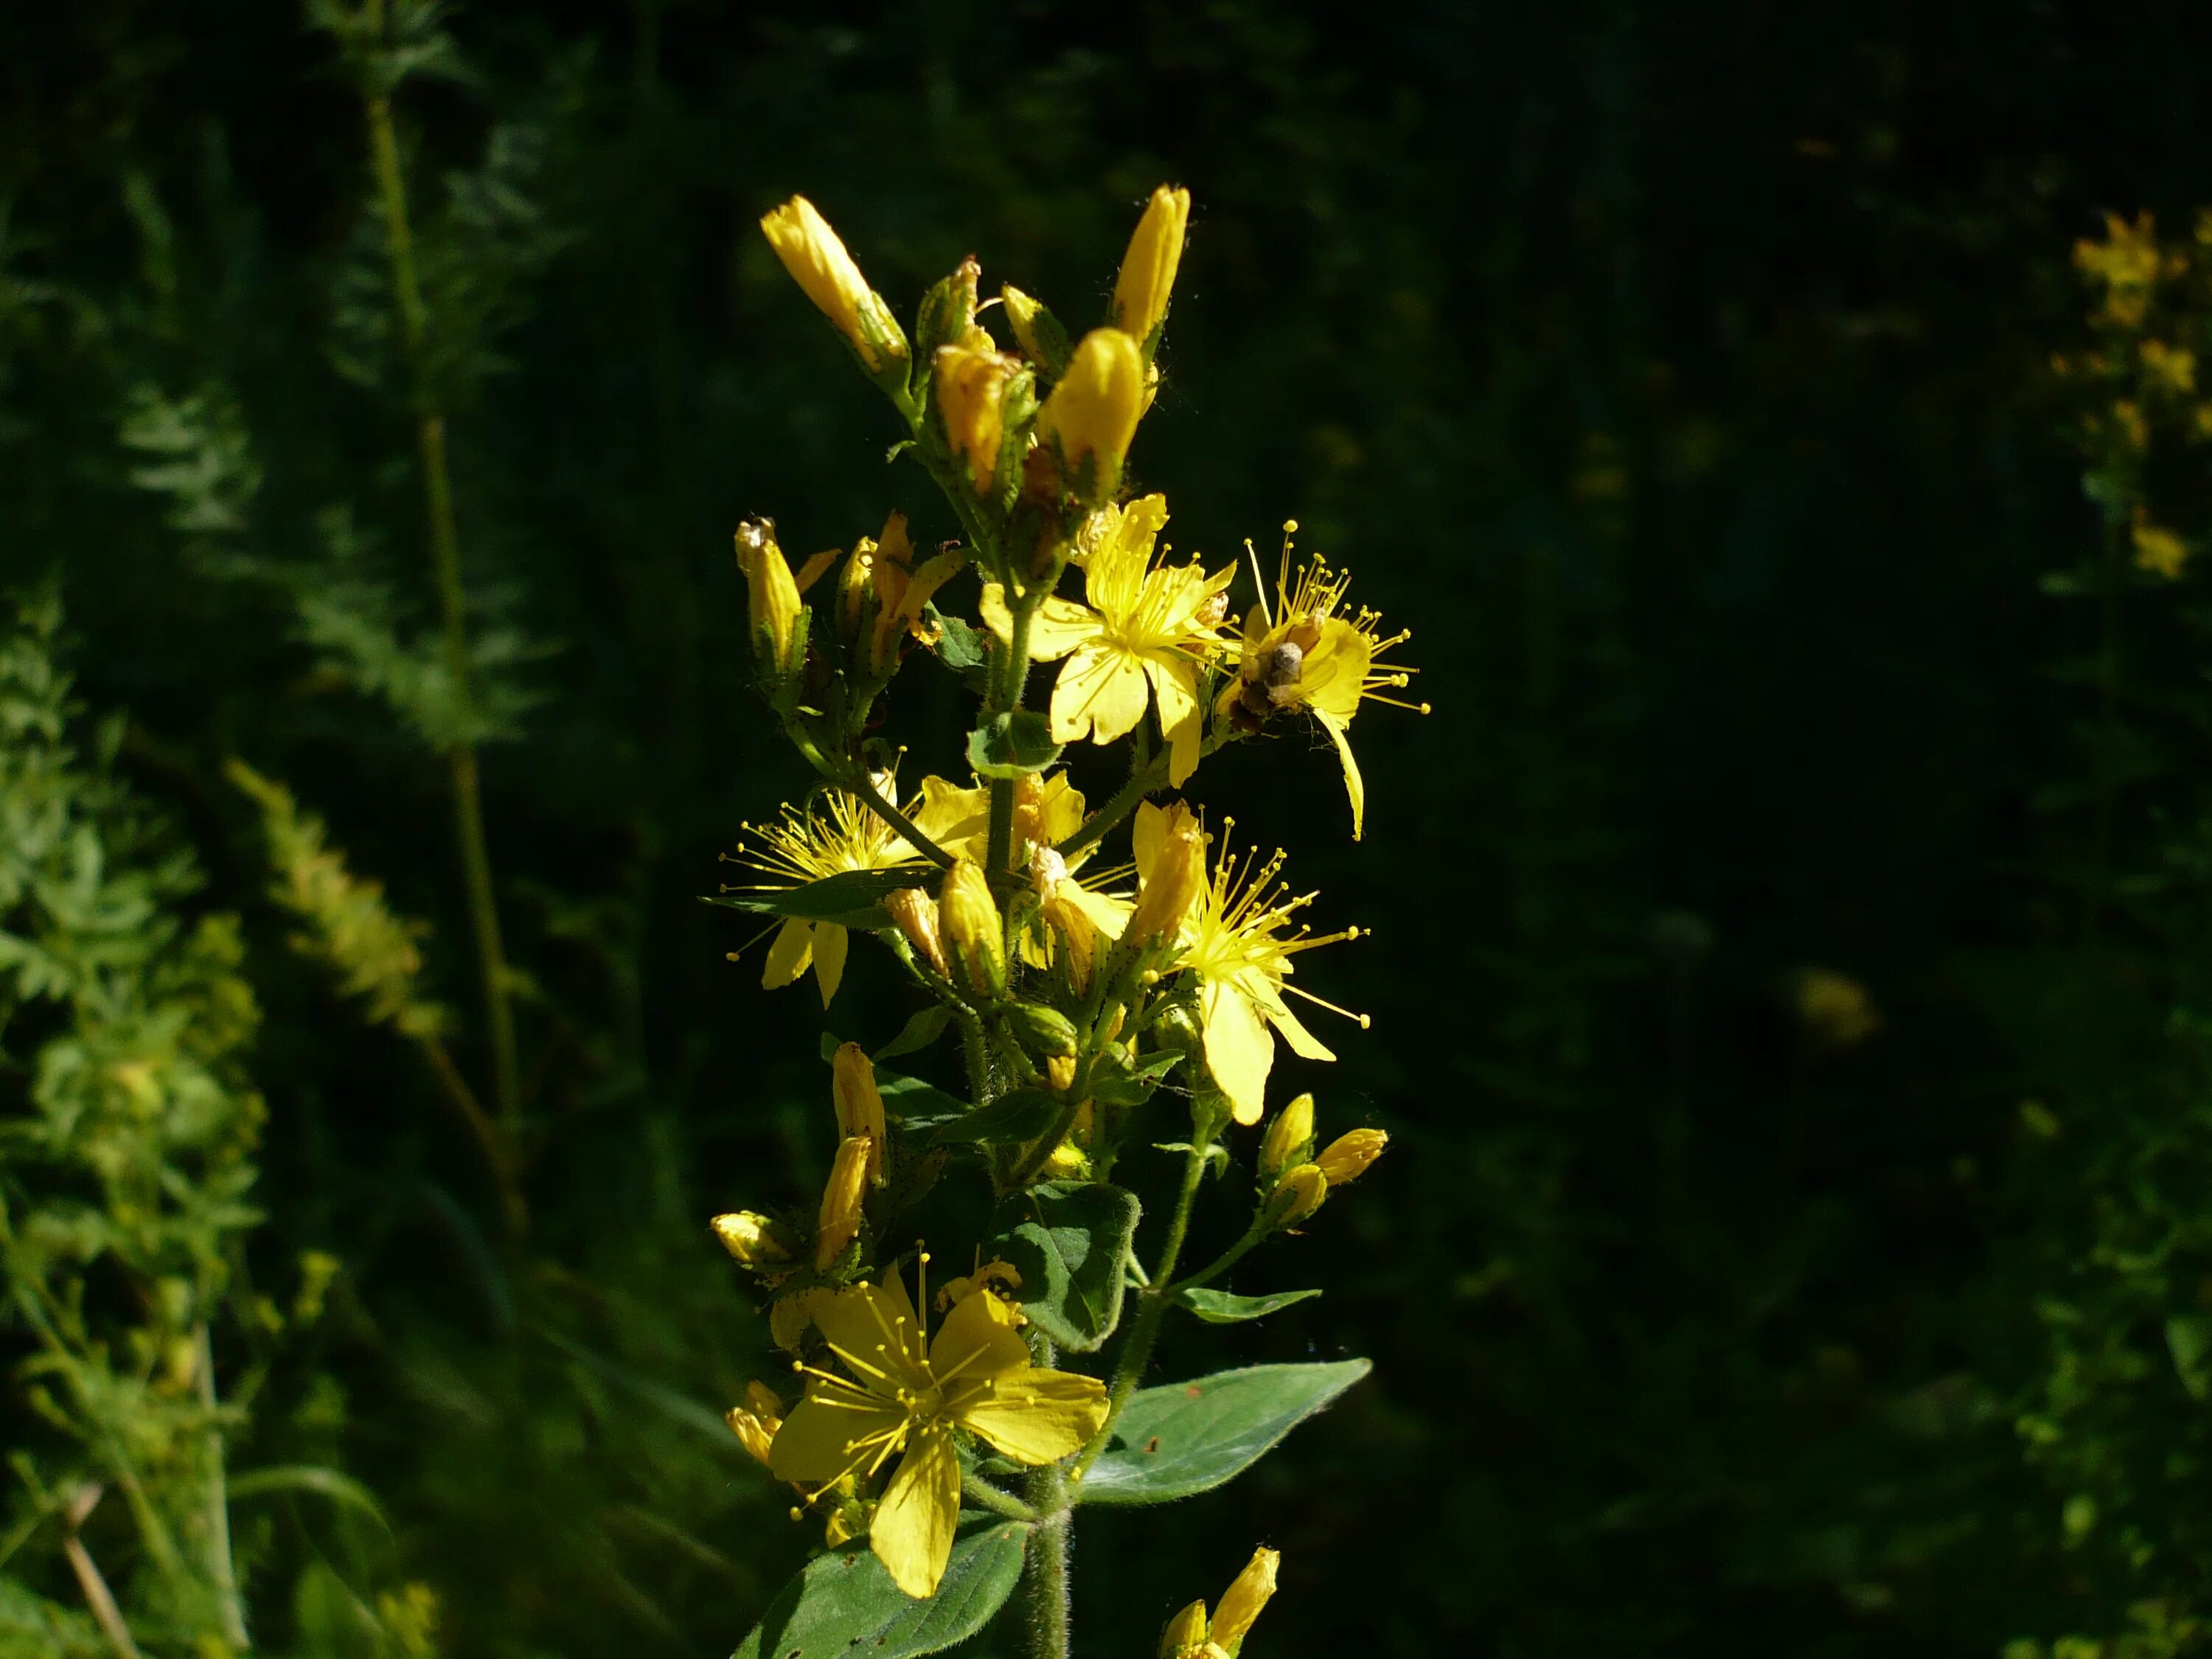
981 1493
453 605
1046 1571
1013 680
229 1608
865 787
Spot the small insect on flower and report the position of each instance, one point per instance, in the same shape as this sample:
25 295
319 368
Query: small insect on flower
1303 652
909 1397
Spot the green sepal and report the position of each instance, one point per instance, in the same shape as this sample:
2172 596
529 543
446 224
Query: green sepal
1190 1438
851 898
947 311
844 1602
1068 1241
1017 1115
1053 345
1009 744
1220 1308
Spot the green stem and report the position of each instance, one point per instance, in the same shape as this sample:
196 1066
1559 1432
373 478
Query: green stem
979 1491
1145 1329
1013 680
229 1607
865 787
1046 1572
1143 780
1222 1263
453 605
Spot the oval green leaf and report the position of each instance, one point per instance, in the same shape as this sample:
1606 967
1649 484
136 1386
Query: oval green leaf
1191 1437
1017 1115
1220 1308
1068 1241
844 1603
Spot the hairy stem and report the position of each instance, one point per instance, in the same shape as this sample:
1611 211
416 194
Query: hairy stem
880 804
1013 680
984 1495
453 605
228 1606
1046 1573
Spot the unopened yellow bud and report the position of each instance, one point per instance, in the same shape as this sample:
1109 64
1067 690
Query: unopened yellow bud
973 933
818 263
1176 879
1297 1195
860 1104
1078 935
1148 269
972 378
755 1422
1289 1138
1092 416
778 619
1347 1157
1060 1072
1241 1601
916 913
1185 1631
753 1240
857 589
839 1221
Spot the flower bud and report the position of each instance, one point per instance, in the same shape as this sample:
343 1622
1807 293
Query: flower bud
1289 1138
777 618
1037 331
1043 1030
755 1240
1171 887
818 263
1297 1195
1148 269
839 1221
755 1422
860 1104
1091 414
972 378
1078 935
916 913
1347 1157
1186 1632
1241 1601
973 933
857 589
1059 1073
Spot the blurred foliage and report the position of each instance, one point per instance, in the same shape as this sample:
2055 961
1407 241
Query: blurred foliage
1703 361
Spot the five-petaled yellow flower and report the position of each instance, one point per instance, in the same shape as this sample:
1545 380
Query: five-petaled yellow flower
1302 653
909 1397
839 833
1146 631
1235 940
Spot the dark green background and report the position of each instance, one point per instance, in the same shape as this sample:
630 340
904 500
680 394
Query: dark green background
1678 373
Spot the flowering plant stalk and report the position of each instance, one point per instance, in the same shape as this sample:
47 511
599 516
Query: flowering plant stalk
1114 1000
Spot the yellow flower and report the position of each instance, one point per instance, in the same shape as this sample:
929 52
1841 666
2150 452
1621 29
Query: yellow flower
1146 625
1235 942
1148 269
911 1398
1048 808
1189 1635
972 378
1835 1008
1173 863
818 263
1300 654
1092 416
2125 264
838 833
2158 549
2170 368
777 619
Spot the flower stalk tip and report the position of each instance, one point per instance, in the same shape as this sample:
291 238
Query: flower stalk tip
817 260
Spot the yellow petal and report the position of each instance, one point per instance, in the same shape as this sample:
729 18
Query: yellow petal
829 943
1063 808
954 818
1174 683
1303 1044
1335 672
1354 785
936 571
863 1328
975 1343
821 1439
1109 915
991 607
788 1319
1037 1416
912 1532
787 956
1059 626
1147 835
1101 690
1238 1049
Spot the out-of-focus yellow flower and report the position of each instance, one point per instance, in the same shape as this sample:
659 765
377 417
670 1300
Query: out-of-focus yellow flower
754 1240
859 1103
837 833
1090 417
2128 422
1146 625
818 263
2157 548
838 1222
972 377
975 932
1304 652
1237 942
1189 1635
1148 269
911 1398
1346 1159
2172 369
2125 264
1834 1008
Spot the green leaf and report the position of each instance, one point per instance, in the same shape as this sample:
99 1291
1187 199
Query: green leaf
851 898
919 1032
960 645
1132 1086
1216 1154
2189 1339
1007 745
1220 1308
1068 1241
340 1488
1017 1115
845 1604
1190 1438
